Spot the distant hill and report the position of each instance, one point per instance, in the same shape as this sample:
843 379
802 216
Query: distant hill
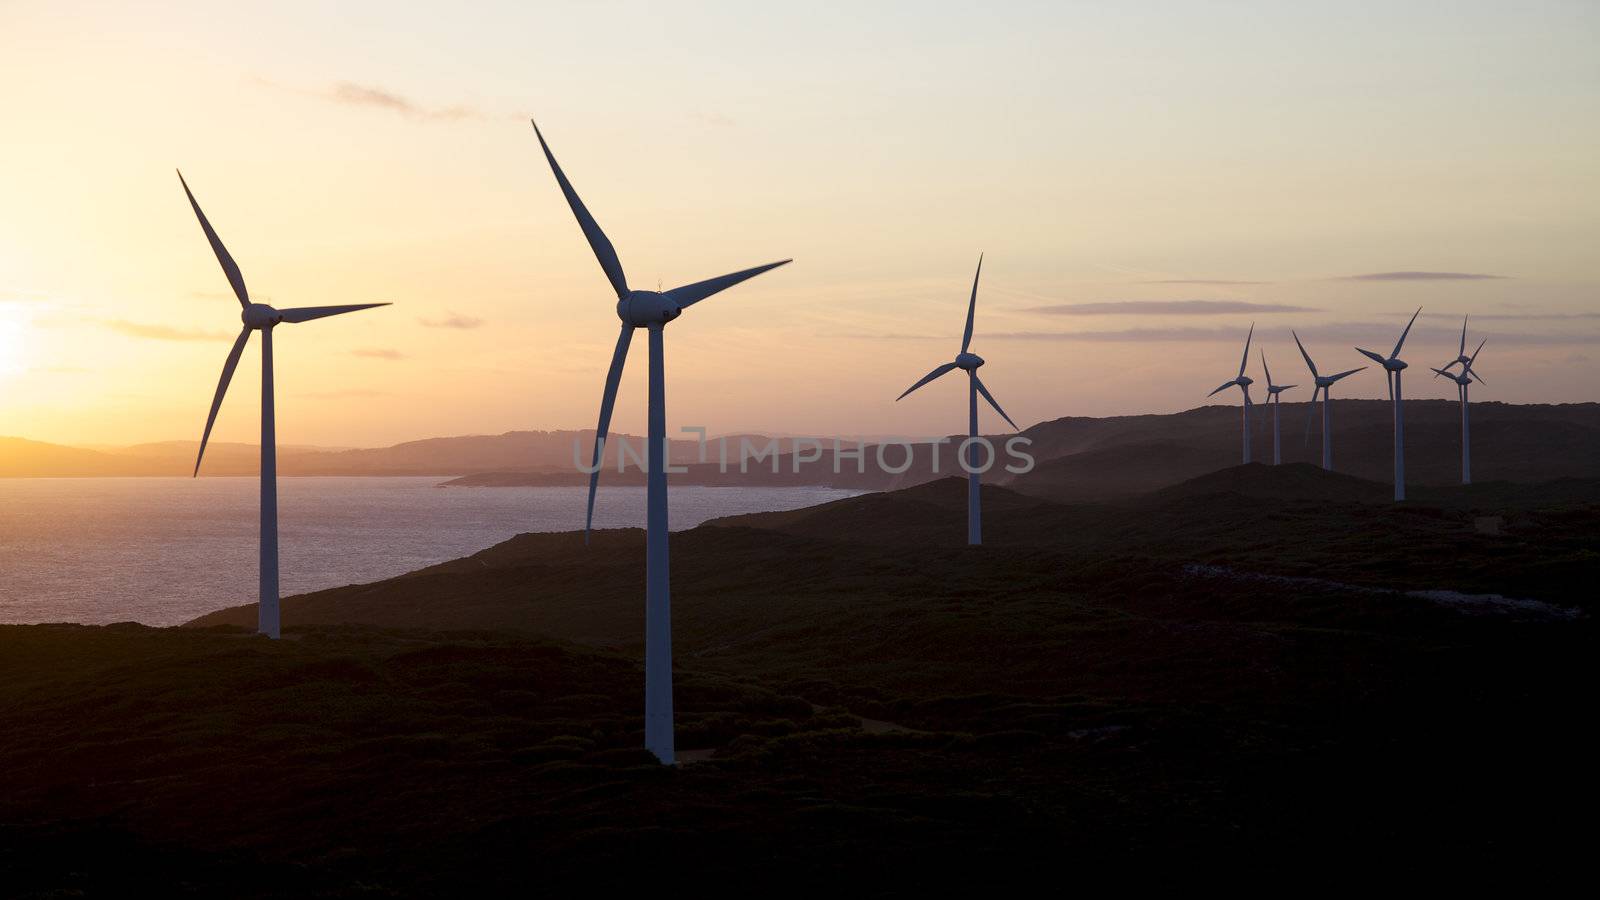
1076 458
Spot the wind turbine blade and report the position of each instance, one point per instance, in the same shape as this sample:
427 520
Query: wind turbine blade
222 388
990 397
1388 379
1309 364
1285 387
972 306
1245 359
1224 386
1265 369
1370 355
1311 413
598 242
619 357
690 294
927 378
307 313
229 267
1473 374
1334 378
1400 343
1464 319
1438 372
1474 357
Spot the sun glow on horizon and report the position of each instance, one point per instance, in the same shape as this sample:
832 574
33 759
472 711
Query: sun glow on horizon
1146 181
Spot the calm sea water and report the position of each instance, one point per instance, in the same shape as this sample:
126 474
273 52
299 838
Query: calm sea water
164 550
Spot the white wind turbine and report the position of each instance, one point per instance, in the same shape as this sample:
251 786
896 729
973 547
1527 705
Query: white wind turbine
263 318
1321 384
652 311
1243 382
1393 366
1463 381
970 363
1273 390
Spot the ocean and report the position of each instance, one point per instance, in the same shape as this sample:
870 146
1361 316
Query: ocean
162 551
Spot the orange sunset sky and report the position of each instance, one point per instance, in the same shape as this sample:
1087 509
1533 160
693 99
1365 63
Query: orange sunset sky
1145 179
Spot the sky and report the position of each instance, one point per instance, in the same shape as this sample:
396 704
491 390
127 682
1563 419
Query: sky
1145 179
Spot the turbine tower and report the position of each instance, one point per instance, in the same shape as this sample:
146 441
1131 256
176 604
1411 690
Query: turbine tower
263 318
1463 381
1393 366
1273 390
652 311
1321 384
969 362
1243 381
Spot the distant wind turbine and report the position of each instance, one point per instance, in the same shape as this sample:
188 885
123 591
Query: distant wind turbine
1393 366
1243 382
1273 390
1463 381
1462 359
649 310
263 318
1321 385
970 363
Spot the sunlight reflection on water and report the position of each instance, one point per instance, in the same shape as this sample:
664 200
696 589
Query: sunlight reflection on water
164 550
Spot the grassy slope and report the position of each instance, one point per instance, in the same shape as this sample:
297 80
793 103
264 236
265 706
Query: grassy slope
1094 709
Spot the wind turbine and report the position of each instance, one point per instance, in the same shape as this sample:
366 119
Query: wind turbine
1243 381
1321 384
1273 390
1462 359
969 362
650 310
1463 381
263 318
1393 366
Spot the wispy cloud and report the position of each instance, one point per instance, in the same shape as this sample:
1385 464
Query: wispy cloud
1530 317
1166 308
345 394
1214 281
1422 276
164 332
378 353
712 118
453 320
350 93
1338 334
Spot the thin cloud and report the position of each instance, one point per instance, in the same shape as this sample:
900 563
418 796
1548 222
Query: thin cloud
378 353
453 320
349 93
344 394
1422 276
1213 281
1539 317
164 332
1167 308
1333 336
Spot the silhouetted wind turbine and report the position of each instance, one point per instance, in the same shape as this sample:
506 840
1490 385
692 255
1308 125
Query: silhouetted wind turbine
263 318
970 363
1463 381
1243 382
650 310
1462 358
1321 384
1273 390
1393 366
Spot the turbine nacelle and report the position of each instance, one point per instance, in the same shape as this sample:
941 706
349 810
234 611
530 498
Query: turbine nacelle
968 361
1244 381
641 309
259 316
